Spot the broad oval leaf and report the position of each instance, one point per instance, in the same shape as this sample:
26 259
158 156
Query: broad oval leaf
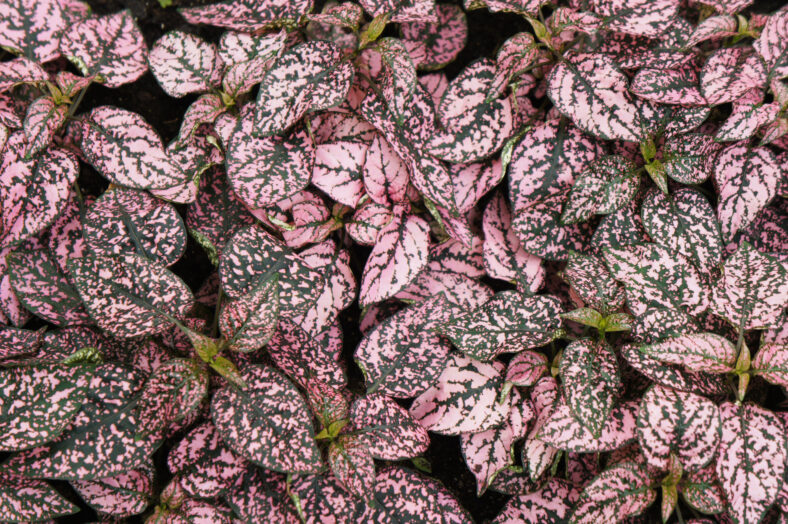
130 221
307 77
267 423
592 91
592 283
129 295
109 47
751 461
247 15
28 500
772 44
526 368
550 504
260 496
689 158
673 422
674 86
173 391
434 45
637 17
705 352
401 251
123 495
729 73
606 185
183 63
771 362
388 430
42 120
509 322
39 403
249 322
563 431
618 492
126 150
591 382
352 464
34 28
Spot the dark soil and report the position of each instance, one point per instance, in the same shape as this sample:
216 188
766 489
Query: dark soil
486 32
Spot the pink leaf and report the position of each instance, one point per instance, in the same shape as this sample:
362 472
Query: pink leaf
550 504
526 368
338 171
351 463
27 500
205 110
607 184
33 28
674 86
388 430
674 376
713 27
618 492
442 40
637 17
729 73
110 47
247 15
124 495
563 431
772 44
406 496
385 174
705 352
690 158
183 63
42 121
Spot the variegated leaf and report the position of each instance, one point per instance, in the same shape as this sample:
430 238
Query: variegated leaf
526 368
32 191
15 72
606 185
400 253
674 376
28 500
125 221
619 229
618 492
265 170
129 295
685 223
434 45
563 431
123 495
110 47
751 293
183 63
700 352
42 120
689 158
509 322
172 392
637 17
674 86
745 121
204 467
338 171
205 110
40 402
267 423
308 77
713 27
34 28
751 460
592 91
514 57
729 73
385 175
771 362
252 254
402 356
388 430
504 257
463 399
657 323
702 491
247 15
674 422
747 179
550 504
405 496
654 276
772 44
126 150
249 322
352 464
592 282
591 382
261 496
16 341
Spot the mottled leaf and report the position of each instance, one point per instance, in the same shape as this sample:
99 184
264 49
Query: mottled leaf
42 120
434 45
705 352
618 492
388 430
607 184
121 496
28 500
563 431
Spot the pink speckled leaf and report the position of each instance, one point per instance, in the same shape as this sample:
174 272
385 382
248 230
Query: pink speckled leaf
249 322
593 284
618 492
126 150
685 223
308 77
39 403
397 77
474 128
260 496
183 63
267 423
702 491
247 15
684 424
655 276
43 288
388 430
129 295
20 71
33 28
747 179
32 192
771 362
252 254
657 323
385 175
745 121
751 460
123 495
344 14
550 504
713 27
592 91
509 322
729 73
504 258
730 7
405 496
352 465
674 376
563 431
705 352
591 382
689 158
464 399
265 170
405 365
42 121
131 221
400 253
205 110
172 392
674 86
637 17
772 44
205 468
16 341
110 47
28 500
338 170
514 56
751 293
607 184
526 368
303 357
440 41
323 499
101 441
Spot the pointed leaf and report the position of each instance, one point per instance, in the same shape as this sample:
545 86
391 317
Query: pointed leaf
437 43
592 282
674 376
388 430
352 465
705 352
563 431
607 184
173 391
249 322
27 500
33 28
689 158
183 63
674 86
773 46
729 73
42 121
121 496
618 492
338 171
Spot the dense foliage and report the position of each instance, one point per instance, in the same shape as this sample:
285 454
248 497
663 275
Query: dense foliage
573 256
